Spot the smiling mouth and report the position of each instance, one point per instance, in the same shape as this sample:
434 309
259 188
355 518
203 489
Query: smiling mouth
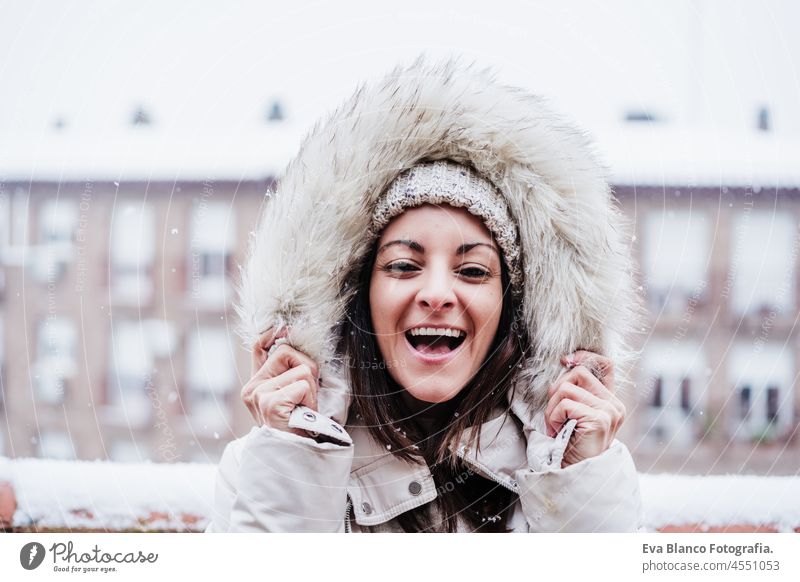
434 344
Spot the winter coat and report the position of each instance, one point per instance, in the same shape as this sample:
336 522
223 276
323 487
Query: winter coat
577 295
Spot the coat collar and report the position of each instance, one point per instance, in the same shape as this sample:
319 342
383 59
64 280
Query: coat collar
382 486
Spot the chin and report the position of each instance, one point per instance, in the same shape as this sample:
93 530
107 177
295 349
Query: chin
434 392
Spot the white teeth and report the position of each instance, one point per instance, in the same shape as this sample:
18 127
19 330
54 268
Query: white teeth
437 331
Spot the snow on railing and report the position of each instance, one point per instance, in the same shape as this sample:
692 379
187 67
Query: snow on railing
48 495
97 495
720 503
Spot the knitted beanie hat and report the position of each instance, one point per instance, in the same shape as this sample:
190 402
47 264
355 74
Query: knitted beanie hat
445 182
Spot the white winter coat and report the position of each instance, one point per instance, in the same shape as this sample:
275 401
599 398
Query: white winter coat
577 295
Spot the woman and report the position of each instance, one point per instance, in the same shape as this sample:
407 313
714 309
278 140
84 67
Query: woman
444 290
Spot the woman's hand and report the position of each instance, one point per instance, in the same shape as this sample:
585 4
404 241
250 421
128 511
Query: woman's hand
585 393
282 379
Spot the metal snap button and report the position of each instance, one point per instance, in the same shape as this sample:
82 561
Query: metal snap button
366 508
310 416
415 488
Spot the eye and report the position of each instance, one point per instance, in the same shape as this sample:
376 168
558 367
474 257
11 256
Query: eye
400 267
474 273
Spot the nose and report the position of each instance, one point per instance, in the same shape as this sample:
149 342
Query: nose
437 291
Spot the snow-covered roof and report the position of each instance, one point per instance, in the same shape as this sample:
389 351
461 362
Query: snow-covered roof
146 154
103 495
659 154
637 154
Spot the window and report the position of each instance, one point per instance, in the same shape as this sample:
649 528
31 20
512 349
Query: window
5 225
762 375
2 369
213 236
676 255
19 217
658 392
125 451
162 336
132 253
57 221
762 265
686 395
677 373
745 401
5 238
130 373
210 375
773 403
56 445
56 341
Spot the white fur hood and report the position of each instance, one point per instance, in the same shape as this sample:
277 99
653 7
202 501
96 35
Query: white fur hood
575 256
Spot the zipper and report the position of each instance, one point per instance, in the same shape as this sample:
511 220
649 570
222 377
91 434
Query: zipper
460 453
562 439
347 515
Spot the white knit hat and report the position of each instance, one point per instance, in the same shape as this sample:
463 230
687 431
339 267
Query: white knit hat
445 182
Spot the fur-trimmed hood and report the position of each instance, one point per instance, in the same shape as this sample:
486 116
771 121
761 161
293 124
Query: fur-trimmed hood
578 285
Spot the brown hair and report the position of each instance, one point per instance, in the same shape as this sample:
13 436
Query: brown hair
377 402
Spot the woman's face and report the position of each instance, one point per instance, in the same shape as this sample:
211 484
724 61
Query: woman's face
435 298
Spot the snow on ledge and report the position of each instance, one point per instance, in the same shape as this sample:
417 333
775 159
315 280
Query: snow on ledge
161 496
114 496
652 154
150 155
5 469
657 155
720 500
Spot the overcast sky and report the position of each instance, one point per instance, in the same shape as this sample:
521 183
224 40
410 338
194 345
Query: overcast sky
199 66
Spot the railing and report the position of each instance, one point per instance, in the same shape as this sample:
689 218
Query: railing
67 496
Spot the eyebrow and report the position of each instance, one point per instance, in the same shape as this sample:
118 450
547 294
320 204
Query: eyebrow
415 246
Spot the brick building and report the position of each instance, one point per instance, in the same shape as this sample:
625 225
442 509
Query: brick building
716 244
116 317
117 286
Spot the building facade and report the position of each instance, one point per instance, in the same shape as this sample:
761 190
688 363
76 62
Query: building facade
117 329
117 322
716 388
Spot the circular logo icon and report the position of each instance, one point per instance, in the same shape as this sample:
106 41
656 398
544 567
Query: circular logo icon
31 555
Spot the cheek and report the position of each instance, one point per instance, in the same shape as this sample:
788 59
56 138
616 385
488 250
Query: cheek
485 310
383 305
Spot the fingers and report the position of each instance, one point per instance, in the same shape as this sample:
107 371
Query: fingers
260 384
593 434
300 393
263 344
284 368
600 366
567 391
581 376
284 358
613 407
580 385
274 408
590 420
